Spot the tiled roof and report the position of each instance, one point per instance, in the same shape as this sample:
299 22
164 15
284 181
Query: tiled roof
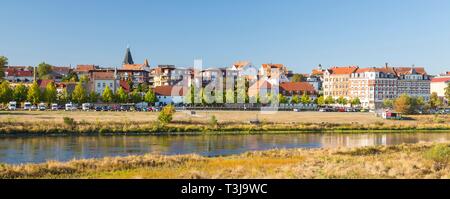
440 79
13 72
43 83
407 70
133 66
103 75
265 66
170 90
317 72
85 68
240 64
297 86
343 70
373 69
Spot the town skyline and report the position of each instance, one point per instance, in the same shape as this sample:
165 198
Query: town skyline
300 34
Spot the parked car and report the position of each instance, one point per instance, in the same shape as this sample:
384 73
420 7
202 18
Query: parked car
12 106
33 108
296 110
70 107
42 107
27 106
98 108
54 107
86 106
106 108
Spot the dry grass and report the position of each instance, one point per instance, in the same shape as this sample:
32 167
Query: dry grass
402 161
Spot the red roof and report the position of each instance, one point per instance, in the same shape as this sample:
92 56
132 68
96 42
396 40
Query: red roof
343 70
18 73
440 79
407 70
170 90
43 83
124 84
272 66
297 86
109 75
85 68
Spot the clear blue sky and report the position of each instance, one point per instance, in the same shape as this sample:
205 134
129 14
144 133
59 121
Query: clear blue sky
299 33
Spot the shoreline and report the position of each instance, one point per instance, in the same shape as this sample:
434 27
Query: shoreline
397 161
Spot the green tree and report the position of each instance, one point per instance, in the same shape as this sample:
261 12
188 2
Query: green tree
34 93
435 101
135 97
84 79
107 95
150 97
403 104
71 77
388 103
342 101
230 96
305 98
50 93
5 92
297 78
79 95
321 101
166 114
282 99
63 97
121 95
418 103
44 70
355 102
20 93
93 97
3 64
295 99
329 100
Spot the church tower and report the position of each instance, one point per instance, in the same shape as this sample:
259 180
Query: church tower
128 58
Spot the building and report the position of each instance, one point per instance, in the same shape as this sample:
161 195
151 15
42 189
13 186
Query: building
438 85
413 81
18 74
337 81
82 70
291 89
59 72
169 75
100 79
274 72
170 94
316 79
373 85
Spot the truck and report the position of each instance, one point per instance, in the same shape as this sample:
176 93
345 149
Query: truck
12 106
54 107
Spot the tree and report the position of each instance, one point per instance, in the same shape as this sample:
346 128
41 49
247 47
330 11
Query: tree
329 100
34 93
435 101
50 94
282 99
418 103
321 101
71 77
63 97
107 95
79 95
150 97
342 101
295 99
305 98
5 92
230 96
84 79
135 97
166 114
403 104
447 92
355 102
388 103
3 64
44 70
121 95
297 78
20 93
93 97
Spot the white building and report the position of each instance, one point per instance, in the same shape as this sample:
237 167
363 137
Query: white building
102 79
413 81
170 94
438 85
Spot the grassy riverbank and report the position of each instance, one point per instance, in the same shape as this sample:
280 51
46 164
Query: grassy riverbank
402 161
227 122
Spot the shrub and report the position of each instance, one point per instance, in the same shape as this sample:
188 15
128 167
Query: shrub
213 122
166 114
440 154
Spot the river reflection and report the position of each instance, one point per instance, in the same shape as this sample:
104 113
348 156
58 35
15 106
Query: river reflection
16 150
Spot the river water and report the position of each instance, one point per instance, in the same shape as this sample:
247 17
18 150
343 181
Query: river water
20 149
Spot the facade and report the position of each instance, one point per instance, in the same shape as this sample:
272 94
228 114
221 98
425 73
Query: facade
337 81
170 94
17 74
413 81
100 79
316 79
438 85
290 89
373 85
272 72
169 75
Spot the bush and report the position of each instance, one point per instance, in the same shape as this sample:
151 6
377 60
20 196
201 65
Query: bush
440 154
166 114
213 122
69 122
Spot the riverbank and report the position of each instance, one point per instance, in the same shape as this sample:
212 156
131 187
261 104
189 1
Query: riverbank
70 123
400 161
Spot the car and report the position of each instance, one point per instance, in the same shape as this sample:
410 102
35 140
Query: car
70 107
296 110
106 108
323 110
12 106
42 107
33 108
86 106
27 106
54 107
98 108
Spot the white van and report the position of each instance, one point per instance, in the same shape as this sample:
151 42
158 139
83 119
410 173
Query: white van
69 107
27 106
86 106
54 107
12 106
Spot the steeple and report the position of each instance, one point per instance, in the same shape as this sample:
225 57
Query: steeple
128 58
146 63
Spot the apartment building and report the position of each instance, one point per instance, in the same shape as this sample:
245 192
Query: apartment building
413 81
337 81
169 75
373 85
100 79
